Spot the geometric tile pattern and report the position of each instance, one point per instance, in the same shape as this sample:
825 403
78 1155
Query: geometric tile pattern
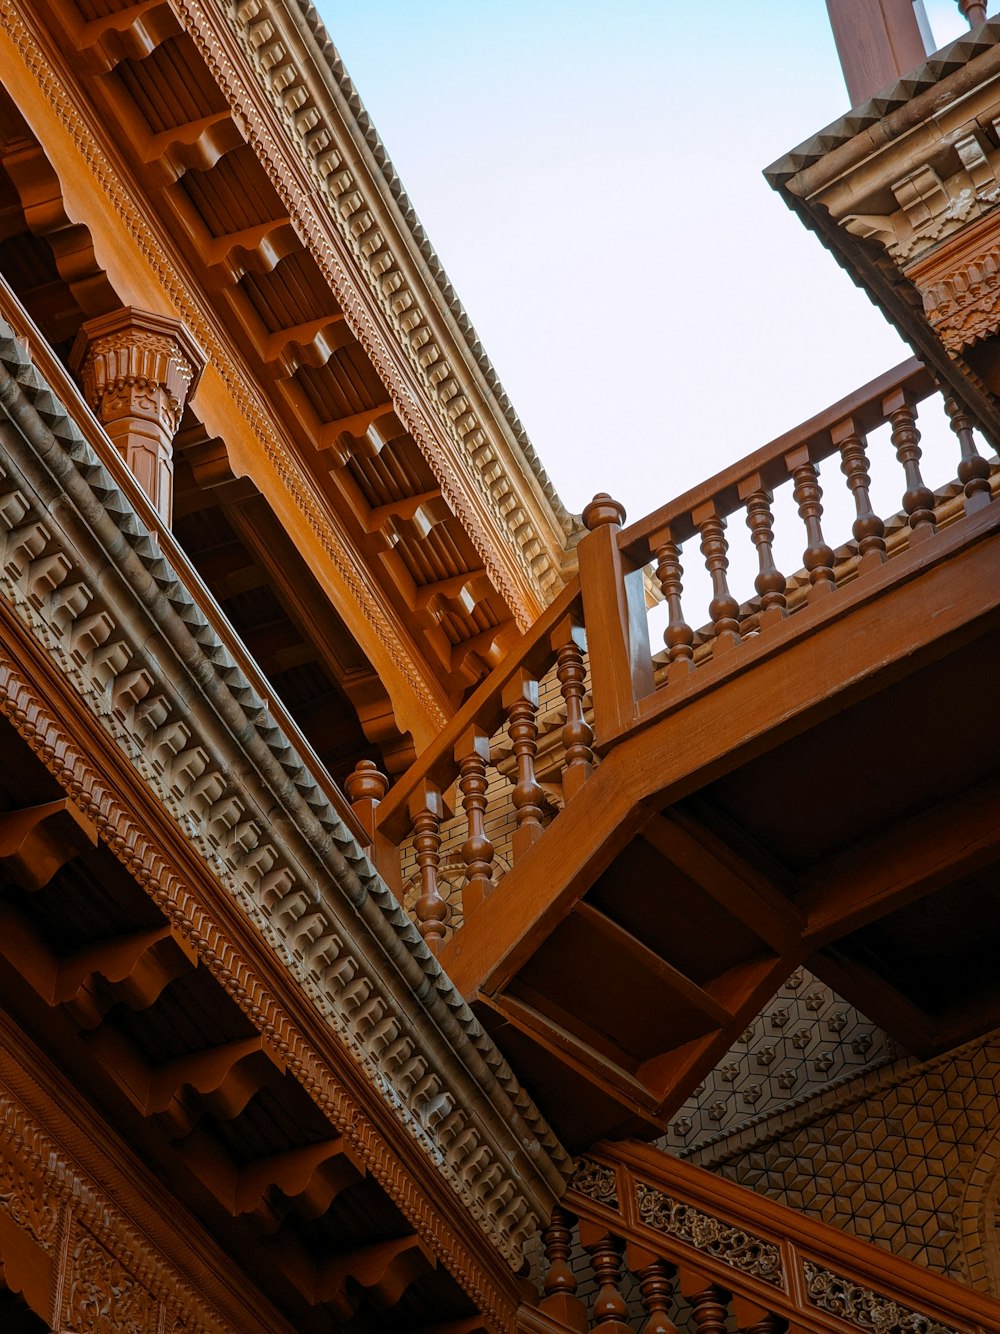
911 1163
807 1039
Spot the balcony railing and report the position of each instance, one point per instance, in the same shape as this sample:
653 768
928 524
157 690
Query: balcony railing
599 623
672 1247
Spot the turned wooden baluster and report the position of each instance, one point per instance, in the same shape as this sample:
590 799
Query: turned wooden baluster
973 470
365 788
770 582
868 528
808 494
569 642
560 1299
472 754
710 1309
520 699
678 636
918 500
723 609
609 1311
426 812
656 1287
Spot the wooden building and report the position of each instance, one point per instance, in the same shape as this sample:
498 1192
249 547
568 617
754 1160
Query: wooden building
380 909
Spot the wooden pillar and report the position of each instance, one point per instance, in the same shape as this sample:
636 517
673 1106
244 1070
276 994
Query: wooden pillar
138 371
621 665
878 41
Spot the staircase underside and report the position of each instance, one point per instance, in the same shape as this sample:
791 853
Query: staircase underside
830 797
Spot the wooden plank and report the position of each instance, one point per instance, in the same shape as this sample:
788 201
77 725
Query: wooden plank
727 878
914 858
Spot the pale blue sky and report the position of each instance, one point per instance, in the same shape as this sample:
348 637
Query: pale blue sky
590 175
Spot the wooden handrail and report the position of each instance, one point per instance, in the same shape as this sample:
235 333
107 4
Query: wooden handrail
533 653
863 406
59 380
715 1235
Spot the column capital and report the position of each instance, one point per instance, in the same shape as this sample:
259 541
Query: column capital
138 370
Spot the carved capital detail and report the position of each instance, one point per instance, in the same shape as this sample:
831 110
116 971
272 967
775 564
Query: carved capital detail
138 370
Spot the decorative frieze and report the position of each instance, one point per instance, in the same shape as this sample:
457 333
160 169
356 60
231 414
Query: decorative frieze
301 881
595 1181
863 1308
734 1246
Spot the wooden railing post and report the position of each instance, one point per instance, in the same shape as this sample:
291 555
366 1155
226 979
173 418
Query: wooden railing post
427 812
560 1300
900 410
678 636
770 582
656 1287
621 666
868 528
818 555
609 1312
520 699
724 609
973 470
365 788
569 641
472 753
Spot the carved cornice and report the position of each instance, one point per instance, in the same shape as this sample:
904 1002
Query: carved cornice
905 192
469 435
352 574
113 618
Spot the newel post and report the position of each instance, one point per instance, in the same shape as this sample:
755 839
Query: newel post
614 606
366 786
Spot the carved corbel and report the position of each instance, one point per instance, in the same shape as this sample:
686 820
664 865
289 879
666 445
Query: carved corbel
138 371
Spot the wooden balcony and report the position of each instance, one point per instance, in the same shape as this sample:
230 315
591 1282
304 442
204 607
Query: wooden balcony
673 1247
811 779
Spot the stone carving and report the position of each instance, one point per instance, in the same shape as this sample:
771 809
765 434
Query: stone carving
57 597
595 1181
103 1297
864 1308
732 1245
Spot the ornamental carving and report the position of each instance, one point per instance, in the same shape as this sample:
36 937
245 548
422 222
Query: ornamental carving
595 1181
294 905
25 1198
734 1246
138 371
103 1297
864 1308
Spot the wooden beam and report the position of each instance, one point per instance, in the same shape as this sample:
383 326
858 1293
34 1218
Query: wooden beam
914 858
36 841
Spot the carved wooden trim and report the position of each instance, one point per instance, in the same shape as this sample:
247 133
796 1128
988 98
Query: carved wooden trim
860 1306
95 637
316 515
734 1246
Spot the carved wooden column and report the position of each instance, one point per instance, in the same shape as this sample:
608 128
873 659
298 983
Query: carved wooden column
138 371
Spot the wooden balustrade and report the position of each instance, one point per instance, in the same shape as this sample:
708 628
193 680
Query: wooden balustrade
707 1256
604 607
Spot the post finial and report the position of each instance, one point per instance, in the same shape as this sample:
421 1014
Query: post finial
602 510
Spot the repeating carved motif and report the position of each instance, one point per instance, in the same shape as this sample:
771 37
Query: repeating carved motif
103 1297
312 132
864 1308
22 1196
355 578
595 1181
54 593
732 1245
